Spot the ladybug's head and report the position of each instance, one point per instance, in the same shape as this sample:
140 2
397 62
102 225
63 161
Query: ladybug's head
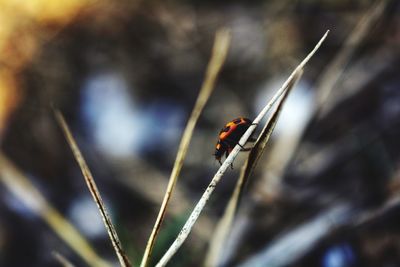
219 151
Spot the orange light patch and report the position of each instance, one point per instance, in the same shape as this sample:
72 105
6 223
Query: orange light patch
23 29
8 97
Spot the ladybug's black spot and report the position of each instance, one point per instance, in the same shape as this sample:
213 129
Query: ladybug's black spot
237 121
226 129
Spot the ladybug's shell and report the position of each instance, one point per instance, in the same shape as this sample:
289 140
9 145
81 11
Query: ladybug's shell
230 135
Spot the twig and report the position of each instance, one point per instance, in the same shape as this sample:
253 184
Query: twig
224 225
123 259
30 196
219 53
217 177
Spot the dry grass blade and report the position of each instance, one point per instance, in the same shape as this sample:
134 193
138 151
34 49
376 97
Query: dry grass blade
224 225
217 177
123 259
263 138
333 73
220 50
23 189
62 260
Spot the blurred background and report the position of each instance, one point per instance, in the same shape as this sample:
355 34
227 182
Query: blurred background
126 75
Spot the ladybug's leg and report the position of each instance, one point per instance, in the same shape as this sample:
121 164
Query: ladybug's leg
242 148
232 142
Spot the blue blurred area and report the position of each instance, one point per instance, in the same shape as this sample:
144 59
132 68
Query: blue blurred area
84 214
118 126
340 255
298 106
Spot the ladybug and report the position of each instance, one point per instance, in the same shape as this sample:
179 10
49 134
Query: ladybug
229 137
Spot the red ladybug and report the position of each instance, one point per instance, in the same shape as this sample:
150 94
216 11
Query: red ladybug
229 137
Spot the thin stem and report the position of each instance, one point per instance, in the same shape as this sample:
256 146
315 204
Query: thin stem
91 184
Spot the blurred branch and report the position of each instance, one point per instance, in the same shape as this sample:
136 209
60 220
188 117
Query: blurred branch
62 260
296 243
334 71
220 50
29 195
356 78
325 159
123 259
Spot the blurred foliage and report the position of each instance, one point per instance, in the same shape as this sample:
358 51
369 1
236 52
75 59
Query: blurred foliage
126 75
